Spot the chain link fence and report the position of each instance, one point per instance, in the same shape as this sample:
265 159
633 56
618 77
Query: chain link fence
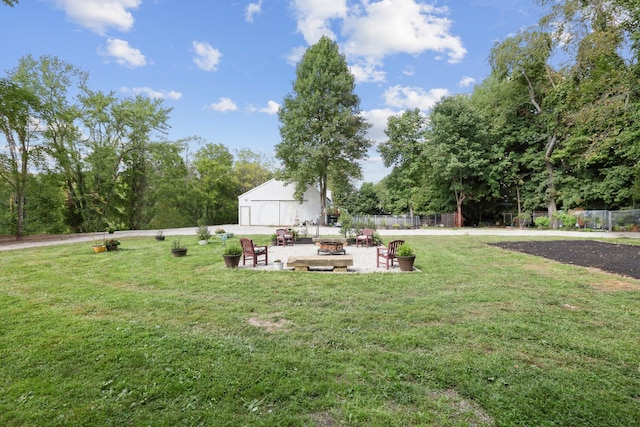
626 220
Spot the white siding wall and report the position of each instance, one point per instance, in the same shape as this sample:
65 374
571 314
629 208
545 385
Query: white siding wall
272 203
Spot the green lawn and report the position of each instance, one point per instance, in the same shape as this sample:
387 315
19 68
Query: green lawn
480 336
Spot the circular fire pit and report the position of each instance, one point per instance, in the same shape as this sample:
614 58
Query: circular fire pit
332 246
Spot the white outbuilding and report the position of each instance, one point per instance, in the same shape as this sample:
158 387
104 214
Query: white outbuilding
273 204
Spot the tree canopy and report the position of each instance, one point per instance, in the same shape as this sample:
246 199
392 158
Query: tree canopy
82 160
323 133
555 124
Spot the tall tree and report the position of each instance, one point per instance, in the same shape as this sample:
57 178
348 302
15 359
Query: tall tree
403 150
517 169
55 83
601 145
170 201
217 185
523 60
141 119
458 156
18 108
251 169
322 130
367 201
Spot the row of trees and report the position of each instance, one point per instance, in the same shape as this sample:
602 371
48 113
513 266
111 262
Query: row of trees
81 160
555 125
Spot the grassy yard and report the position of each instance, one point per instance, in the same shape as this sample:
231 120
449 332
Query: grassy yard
480 336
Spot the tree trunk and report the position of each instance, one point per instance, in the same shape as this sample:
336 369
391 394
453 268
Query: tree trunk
323 201
458 220
551 186
22 189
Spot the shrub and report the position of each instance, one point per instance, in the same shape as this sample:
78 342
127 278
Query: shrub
542 222
568 221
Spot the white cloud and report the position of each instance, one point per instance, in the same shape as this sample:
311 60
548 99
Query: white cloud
207 57
271 108
367 72
223 105
123 53
100 15
378 120
314 17
388 27
152 93
413 97
467 81
373 30
296 55
409 70
253 9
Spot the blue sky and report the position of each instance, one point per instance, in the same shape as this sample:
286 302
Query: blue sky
225 66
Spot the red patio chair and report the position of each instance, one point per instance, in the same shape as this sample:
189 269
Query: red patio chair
365 237
253 252
283 238
388 253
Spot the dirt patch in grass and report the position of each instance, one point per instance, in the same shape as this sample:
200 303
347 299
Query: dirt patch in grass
268 325
468 411
614 258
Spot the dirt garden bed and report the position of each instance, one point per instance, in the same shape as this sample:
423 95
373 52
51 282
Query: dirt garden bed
615 258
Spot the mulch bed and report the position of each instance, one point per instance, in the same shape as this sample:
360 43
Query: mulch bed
611 257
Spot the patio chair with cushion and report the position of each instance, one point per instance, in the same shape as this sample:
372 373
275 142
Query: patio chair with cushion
253 252
284 238
365 237
388 253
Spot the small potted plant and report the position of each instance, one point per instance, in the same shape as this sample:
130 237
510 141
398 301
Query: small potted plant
177 249
231 255
203 233
277 264
160 236
112 244
98 246
406 257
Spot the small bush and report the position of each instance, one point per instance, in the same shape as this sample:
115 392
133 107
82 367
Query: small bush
568 221
542 222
